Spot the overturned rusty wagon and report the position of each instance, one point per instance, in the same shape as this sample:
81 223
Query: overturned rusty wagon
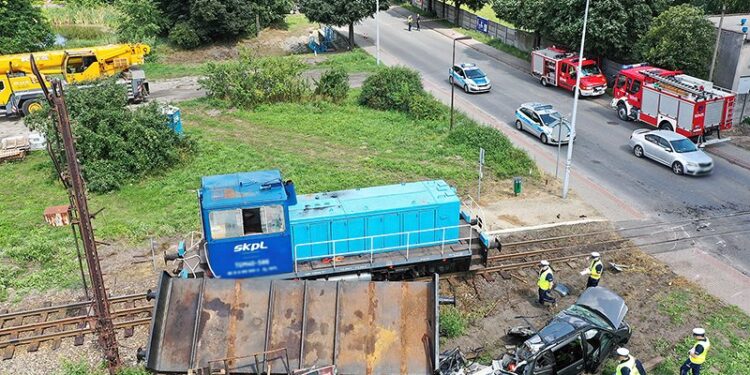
249 326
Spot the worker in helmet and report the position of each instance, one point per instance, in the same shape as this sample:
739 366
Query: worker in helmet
596 267
696 355
546 282
627 364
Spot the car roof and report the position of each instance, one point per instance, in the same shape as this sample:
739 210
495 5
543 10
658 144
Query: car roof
540 107
467 66
667 134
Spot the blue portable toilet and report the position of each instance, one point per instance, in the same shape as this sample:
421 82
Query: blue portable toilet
174 119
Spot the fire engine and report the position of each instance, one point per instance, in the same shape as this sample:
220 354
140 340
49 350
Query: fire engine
557 67
673 101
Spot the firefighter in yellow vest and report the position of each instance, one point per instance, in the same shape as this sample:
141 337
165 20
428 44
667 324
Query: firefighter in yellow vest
546 282
627 364
696 355
595 270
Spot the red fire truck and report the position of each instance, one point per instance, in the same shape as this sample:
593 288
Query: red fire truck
673 101
557 67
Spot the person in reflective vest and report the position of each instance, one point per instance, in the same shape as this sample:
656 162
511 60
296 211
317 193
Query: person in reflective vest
628 365
545 283
696 355
595 270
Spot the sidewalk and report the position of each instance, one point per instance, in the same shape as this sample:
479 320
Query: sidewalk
731 153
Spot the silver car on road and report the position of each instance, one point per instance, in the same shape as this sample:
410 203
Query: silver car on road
671 149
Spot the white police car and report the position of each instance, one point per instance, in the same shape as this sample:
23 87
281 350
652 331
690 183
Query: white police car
543 121
469 77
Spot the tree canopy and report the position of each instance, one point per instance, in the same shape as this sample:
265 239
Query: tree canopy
340 12
474 5
680 38
614 26
192 22
23 28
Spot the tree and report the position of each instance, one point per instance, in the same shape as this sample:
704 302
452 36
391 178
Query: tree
680 38
201 21
138 20
714 6
613 26
474 5
340 12
23 28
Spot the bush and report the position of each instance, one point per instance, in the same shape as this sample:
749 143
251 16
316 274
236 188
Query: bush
138 20
214 20
425 107
23 28
333 84
391 88
500 155
250 81
184 36
452 322
115 144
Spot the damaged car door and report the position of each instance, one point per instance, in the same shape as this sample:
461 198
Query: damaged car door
569 357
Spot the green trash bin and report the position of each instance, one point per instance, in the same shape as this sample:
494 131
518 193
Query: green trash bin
517 185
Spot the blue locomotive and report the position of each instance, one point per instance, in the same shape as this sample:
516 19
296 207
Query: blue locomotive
255 225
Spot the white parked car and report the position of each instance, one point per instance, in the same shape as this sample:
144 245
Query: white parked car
543 121
671 149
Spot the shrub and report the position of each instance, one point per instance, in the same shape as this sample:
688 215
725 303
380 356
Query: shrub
23 28
333 84
250 81
452 322
425 107
500 155
115 144
138 20
184 36
391 88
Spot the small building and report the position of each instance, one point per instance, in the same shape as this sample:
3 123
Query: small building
57 216
732 69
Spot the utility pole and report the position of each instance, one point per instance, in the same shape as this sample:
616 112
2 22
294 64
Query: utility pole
569 159
377 32
716 47
80 216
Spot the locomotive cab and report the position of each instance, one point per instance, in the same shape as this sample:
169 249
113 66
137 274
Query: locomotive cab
245 218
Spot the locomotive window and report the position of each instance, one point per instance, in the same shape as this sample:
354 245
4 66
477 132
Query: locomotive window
246 221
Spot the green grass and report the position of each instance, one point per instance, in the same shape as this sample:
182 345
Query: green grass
492 42
453 322
102 15
158 70
353 61
675 305
320 146
83 368
294 22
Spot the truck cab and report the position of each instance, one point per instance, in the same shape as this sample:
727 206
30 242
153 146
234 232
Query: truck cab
245 219
557 67
577 340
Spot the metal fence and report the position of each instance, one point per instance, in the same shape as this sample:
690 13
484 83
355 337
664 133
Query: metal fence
517 38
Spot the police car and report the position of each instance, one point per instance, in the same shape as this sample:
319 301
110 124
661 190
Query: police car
543 121
469 77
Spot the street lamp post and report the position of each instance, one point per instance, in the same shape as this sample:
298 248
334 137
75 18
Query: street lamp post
569 160
377 32
453 86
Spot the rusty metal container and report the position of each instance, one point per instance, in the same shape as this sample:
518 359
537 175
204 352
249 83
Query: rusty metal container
57 216
360 327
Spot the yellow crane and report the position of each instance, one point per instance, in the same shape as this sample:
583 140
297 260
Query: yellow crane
21 92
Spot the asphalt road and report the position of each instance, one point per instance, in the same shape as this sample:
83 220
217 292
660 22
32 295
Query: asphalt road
642 190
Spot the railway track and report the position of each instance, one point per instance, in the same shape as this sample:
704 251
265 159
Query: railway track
31 328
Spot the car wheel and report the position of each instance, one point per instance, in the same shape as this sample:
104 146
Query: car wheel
666 126
450 79
677 168
519 126
622 112
543 138
466 89
30 106
543 81
638 151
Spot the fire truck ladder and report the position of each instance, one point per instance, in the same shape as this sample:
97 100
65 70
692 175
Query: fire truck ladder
674 82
